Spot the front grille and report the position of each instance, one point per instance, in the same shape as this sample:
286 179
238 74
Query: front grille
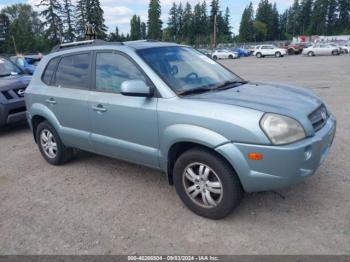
319 117
7 95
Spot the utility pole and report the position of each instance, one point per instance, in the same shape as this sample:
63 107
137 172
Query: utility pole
14 44
214 35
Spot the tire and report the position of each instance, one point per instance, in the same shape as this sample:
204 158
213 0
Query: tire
230 57
56 153
215 57
218 205
334 52
310 53
259 55
278 54
291 51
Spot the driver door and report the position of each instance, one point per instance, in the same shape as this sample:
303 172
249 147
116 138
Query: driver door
124 127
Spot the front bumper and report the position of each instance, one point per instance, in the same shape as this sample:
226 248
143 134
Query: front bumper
12 112
282 166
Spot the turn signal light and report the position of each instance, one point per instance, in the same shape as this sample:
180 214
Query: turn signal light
255 156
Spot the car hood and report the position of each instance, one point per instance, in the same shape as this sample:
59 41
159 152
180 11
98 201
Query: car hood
14 82
266 97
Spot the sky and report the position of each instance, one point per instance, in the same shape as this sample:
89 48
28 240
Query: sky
119 12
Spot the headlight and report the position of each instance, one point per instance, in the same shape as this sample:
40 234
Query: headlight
281 129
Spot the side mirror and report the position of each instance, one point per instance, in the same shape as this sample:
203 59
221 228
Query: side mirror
136 88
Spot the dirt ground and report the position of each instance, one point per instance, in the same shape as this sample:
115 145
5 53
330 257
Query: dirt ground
97 205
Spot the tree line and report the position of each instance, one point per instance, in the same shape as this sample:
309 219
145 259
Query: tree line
27 30
305 17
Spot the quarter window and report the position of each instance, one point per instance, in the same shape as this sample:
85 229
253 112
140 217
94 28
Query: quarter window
112 70
73 71
49 71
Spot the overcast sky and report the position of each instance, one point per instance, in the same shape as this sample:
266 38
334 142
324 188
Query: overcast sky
119 12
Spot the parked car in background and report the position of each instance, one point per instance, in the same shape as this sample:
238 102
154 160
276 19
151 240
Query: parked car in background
214 134
269 50
27 63
224 54
13 83
293 48
241 52
206 52
320 49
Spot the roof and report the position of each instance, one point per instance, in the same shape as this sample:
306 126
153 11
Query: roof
140 44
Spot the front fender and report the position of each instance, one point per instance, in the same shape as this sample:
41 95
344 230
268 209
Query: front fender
187 133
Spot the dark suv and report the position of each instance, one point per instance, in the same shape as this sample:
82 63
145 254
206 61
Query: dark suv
13 83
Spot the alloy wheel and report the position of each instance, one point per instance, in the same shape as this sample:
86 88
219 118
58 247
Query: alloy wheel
48 143
202 185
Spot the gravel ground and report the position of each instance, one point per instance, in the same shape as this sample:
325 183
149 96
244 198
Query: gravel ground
97 205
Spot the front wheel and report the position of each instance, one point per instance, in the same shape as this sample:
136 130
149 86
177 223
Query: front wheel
230 57
278 54
206 183
258 55
310 53
215 57
51 146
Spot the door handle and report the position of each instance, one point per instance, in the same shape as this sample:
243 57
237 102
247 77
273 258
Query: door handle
51 101
99 108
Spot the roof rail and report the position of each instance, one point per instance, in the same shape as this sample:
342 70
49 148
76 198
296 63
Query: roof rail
75 44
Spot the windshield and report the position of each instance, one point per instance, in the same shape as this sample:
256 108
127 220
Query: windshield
185 69
7 68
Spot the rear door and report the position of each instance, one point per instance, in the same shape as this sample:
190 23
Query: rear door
67 95
124 127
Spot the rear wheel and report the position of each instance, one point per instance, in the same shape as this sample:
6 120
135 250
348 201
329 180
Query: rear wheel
215 57
51 146
206 183
310 53
278 54
230 56
259 55
335 52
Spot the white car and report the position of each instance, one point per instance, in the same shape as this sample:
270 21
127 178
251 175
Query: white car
224 54
321 49
269 50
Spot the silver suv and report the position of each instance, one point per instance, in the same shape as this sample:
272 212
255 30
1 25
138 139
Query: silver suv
172 108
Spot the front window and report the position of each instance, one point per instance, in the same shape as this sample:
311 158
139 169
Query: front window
7 68
185 69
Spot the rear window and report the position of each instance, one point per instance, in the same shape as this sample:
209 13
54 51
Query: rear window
73 71
49 71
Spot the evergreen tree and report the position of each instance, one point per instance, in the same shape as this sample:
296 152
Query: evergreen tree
305 15
332 16
52 19
179 14
68 20
114 36
135 25
246 28
94 16
264 14
81 18
344 16
318 24
187 32
154 22
275 23
143 30
173 23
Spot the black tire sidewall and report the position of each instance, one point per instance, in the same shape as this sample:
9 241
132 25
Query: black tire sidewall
232 189
61 155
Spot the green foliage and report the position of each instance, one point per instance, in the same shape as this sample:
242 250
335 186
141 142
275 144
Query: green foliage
260 30
154 22
246 28
135 28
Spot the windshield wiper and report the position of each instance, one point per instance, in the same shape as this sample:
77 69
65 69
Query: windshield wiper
3 75
229 84
195 91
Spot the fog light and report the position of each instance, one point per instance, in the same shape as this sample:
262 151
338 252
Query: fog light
307 153
255 156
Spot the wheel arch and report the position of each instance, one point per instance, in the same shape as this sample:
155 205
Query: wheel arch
40 113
